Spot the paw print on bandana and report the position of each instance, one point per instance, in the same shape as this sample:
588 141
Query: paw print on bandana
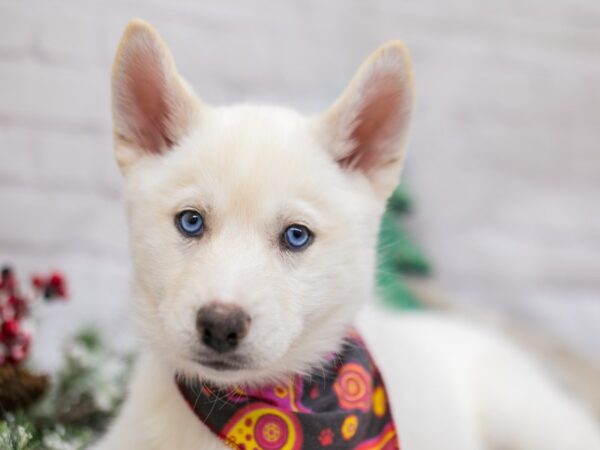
326 437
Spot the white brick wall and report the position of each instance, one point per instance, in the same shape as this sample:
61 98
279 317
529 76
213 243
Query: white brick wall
504 156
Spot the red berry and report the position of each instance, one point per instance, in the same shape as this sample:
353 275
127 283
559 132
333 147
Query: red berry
19 306
10 328
37 282
56 279
56 286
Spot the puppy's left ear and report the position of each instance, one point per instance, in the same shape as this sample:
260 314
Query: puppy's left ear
366 128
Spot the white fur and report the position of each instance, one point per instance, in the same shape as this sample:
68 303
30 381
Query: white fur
251 171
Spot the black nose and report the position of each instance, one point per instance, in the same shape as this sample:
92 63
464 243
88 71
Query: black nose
222 326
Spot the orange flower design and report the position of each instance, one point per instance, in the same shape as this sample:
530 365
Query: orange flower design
353 387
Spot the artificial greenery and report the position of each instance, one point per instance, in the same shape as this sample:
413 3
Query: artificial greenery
398 255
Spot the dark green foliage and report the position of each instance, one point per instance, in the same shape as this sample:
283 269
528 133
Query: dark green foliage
22 432
398 255
399 202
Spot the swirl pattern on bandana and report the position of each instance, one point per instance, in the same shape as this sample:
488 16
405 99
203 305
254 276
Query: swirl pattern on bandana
345 407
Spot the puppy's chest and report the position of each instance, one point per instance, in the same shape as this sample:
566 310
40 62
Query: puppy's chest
200 438
172 426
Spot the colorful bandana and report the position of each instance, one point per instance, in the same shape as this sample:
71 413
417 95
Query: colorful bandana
345 407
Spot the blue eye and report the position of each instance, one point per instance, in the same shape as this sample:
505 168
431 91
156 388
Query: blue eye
190 223
296 237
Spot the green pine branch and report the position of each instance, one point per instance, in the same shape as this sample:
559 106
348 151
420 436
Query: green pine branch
398 255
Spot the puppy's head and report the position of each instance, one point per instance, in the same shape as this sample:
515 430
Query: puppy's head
253 229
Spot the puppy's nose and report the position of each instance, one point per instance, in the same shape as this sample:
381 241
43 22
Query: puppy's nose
222 326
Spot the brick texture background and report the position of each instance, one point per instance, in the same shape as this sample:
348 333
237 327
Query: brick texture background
504 162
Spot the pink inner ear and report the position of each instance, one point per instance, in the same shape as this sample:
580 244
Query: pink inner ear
146 104
377 125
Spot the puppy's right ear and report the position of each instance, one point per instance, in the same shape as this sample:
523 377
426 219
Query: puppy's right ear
153 107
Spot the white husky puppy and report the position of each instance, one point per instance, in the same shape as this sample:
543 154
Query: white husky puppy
268 221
